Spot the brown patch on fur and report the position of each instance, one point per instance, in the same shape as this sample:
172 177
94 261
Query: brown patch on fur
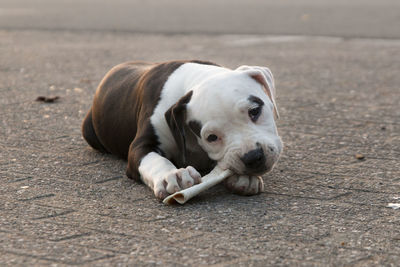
121 111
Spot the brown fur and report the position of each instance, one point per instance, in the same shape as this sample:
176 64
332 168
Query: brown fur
119 119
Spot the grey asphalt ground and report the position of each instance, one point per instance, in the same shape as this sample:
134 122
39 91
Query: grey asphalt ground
337 72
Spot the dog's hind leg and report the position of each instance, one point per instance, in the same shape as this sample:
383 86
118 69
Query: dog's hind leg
90 135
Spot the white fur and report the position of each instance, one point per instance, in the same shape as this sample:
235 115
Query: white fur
181 81
163 177
220 102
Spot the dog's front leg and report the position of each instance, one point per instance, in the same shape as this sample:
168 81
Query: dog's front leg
163 177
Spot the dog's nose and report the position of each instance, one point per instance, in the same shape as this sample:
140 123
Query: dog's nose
254 159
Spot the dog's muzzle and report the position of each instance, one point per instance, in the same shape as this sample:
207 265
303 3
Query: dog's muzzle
255 161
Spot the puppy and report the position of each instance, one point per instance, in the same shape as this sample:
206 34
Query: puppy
177 120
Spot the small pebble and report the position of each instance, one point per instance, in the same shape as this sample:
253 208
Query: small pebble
359 156
394 206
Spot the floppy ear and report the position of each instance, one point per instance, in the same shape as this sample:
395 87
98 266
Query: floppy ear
263 75
176 117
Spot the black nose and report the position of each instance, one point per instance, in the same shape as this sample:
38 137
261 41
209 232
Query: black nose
254 159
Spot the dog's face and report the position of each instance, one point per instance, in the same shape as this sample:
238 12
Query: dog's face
232 115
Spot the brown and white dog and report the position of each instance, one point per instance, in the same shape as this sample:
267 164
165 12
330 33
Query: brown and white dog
176 121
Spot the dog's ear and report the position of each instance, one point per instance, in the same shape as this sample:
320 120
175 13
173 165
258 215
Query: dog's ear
176 117
263 75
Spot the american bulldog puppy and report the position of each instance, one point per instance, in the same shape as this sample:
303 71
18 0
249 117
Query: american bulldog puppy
177 120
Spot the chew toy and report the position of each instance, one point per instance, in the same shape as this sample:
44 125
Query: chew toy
214 177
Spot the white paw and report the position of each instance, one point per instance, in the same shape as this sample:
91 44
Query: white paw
245 185
175 181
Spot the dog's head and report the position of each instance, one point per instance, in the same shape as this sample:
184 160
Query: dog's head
232 115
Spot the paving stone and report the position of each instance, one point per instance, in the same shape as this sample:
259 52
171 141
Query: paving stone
51 251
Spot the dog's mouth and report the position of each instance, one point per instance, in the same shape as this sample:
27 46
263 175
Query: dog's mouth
254 172
258 172
257 166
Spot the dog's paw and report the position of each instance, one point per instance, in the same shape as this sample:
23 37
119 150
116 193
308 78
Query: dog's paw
175 181
245 185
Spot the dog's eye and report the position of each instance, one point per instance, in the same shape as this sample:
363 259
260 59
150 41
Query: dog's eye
254 113
212 138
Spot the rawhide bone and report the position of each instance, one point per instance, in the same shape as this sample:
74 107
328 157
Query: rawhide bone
214 177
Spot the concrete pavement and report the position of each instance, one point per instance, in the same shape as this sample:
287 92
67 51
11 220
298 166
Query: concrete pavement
61 203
